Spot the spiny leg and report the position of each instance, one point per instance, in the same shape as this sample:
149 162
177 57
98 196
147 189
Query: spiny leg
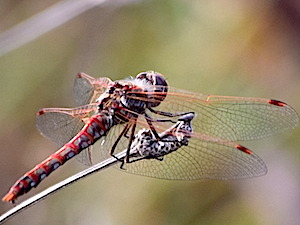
152 128
161 158
130 142
168 114
123 133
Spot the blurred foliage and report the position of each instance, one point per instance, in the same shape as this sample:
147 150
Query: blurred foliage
241 48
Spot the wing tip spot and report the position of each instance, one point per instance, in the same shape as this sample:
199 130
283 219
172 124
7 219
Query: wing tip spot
40 112
276 102
80 75
244 149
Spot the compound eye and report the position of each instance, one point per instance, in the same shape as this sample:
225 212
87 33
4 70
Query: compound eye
157 89
158 79
153 78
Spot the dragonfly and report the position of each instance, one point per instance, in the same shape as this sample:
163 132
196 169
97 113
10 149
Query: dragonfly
126 114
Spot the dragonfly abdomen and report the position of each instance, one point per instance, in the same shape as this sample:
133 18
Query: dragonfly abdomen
97 127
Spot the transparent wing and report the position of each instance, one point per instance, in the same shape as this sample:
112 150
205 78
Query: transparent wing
220 120
202 159
205 157
87 89
60 125
231 118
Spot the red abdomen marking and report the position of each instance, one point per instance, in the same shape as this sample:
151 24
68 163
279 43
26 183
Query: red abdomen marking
97 126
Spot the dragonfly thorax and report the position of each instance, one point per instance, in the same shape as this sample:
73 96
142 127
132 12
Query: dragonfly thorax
147 90
111 98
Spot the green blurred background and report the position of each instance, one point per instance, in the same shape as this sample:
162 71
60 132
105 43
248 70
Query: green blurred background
240 48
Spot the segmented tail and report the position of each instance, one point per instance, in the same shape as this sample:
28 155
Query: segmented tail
97 127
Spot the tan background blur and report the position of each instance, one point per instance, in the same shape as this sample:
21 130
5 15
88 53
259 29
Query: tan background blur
240 48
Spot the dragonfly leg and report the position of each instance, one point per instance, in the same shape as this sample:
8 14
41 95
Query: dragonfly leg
144 157
159 120
124 132
130 142
168 114
132 138
162 120
152 128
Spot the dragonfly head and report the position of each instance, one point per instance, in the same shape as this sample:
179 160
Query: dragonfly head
155 85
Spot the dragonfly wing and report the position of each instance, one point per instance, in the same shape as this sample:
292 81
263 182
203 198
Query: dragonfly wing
87 89
58 127
203 158
110 139
231 118
85 156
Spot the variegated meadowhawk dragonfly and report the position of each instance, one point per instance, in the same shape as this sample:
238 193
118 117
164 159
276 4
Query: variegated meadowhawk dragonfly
155 124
